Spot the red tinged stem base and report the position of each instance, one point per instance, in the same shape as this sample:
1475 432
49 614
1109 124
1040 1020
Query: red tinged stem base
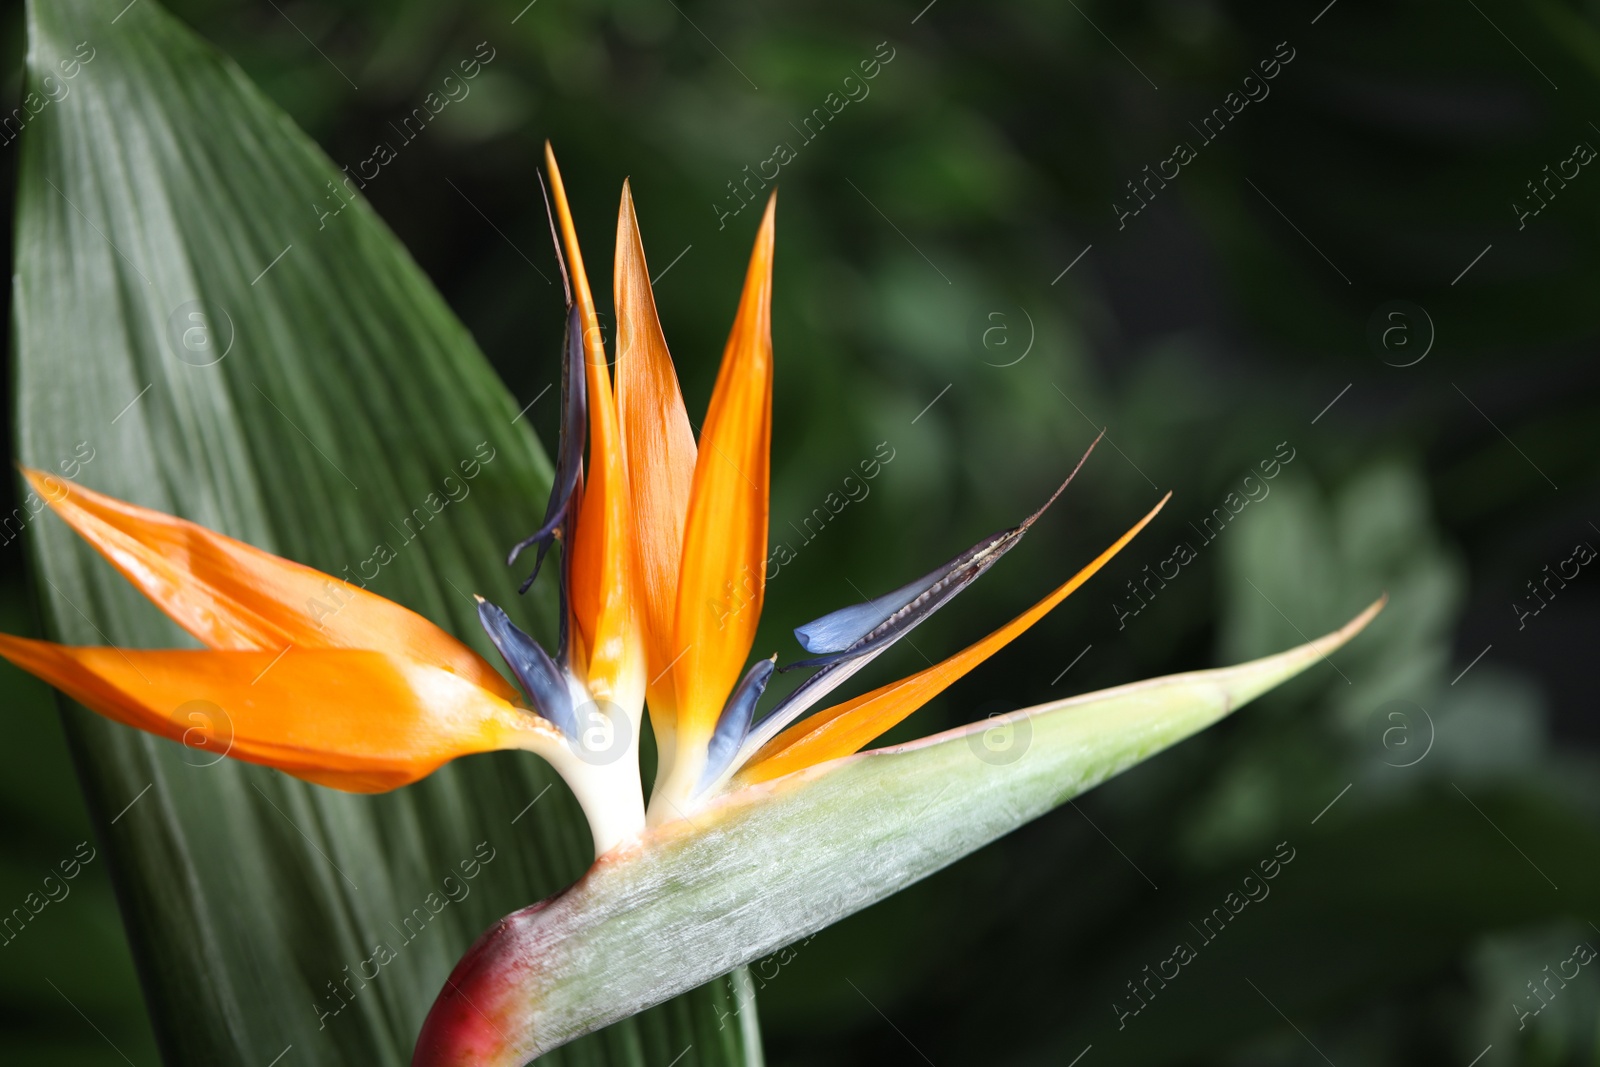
463 1027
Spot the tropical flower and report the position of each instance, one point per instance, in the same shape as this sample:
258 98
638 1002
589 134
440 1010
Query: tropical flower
662 576
662 573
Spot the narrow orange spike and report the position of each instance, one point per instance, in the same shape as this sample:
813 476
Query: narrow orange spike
847 727
604 603
723 576
231 595
359 721
660 449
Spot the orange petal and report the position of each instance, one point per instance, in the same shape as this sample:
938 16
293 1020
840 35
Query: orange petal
660 449
847 727
604 603
354 720
723 575
231 595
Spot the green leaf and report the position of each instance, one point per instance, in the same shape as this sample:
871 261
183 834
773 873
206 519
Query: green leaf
769 864
194 335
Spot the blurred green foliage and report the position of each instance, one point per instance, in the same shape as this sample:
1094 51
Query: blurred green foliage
922 238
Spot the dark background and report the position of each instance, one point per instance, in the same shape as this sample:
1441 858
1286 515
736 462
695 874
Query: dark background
921 301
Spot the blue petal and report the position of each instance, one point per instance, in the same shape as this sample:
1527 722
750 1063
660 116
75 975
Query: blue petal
881 622
851 637
543 681
860 628
838 630
734 722
569 459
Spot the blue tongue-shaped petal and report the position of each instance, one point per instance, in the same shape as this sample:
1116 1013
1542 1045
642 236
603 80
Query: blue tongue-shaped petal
851 637
734 723
838 630
543 681
559 516
863 628
569 458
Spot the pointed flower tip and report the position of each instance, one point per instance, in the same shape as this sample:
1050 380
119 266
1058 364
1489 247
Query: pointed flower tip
628 219
1062 488
769 223
48 486
1359 623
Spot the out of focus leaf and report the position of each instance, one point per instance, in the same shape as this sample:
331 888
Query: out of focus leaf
210 322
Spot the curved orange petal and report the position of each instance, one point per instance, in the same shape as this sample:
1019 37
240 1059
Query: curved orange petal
723 575
360 721
604 603
660 449
847 727
231 595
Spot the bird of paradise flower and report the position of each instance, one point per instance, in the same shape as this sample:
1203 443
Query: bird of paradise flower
661 537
